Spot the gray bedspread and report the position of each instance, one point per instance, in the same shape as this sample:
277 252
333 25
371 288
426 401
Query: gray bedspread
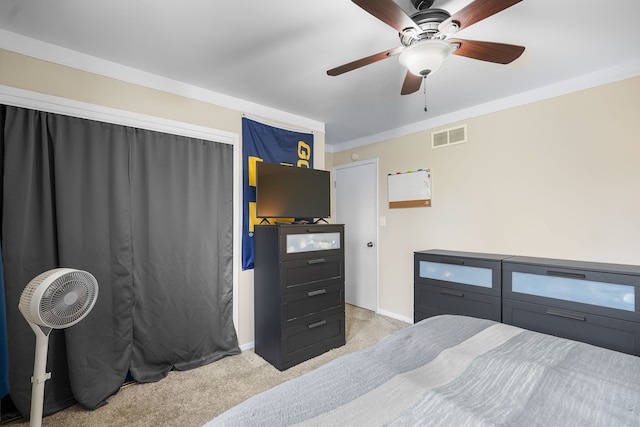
457 371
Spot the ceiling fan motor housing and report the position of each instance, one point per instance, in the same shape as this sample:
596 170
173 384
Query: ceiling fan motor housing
422 4
427 21
59 298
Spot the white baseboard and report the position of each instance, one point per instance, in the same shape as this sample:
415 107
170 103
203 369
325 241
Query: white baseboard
395 316
247 345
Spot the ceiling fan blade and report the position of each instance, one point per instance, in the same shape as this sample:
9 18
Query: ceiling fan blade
411 83
388 12
487 51
474 12
363 61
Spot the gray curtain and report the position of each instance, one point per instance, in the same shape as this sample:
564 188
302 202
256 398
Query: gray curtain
150 216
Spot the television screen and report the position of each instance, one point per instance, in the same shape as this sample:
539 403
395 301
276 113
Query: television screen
290 192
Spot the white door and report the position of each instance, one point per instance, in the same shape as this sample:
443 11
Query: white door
356 205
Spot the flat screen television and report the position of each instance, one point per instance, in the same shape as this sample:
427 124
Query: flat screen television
291 192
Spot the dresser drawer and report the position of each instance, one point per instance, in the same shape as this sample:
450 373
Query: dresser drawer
312 305
464 271
303 241
615 334
310 339
310 273
430 300
573 285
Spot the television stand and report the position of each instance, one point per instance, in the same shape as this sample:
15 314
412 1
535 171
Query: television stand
298 292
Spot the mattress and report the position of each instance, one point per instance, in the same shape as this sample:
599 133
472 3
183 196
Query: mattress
457 371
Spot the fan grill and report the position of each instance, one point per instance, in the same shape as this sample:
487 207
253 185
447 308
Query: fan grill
67 299
27 295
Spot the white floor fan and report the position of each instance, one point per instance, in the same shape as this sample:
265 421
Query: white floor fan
55 299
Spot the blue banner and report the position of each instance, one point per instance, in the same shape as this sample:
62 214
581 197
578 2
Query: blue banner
263 143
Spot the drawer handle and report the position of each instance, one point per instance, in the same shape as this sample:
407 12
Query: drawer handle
567 314
565 274
316 324
318 292
453 293
316 261
452 261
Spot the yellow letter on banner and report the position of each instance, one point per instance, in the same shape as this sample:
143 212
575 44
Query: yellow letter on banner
252 161
304 154
253 220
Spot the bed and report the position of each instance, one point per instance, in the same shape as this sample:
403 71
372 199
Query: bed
457 371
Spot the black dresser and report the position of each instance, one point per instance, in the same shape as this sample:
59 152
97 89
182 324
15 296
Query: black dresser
298 291
597 303
453 282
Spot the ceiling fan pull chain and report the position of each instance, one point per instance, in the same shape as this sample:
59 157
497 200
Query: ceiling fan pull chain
424 79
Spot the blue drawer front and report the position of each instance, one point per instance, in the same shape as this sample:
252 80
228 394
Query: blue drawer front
611 295
475 276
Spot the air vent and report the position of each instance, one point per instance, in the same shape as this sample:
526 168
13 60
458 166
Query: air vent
451 136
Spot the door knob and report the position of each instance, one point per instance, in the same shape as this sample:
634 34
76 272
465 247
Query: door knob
370 244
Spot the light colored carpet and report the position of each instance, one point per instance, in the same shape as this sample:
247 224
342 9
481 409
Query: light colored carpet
191 398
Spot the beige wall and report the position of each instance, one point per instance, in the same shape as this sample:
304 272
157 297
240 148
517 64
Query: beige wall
24 72
558 178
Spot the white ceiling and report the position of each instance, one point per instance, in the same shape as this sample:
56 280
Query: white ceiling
276 53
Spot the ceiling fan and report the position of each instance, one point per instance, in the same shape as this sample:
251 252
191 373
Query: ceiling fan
424 37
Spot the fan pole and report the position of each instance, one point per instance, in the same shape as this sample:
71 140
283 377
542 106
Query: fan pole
40 374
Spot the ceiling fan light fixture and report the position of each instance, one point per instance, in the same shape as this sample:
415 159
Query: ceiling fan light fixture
426 56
